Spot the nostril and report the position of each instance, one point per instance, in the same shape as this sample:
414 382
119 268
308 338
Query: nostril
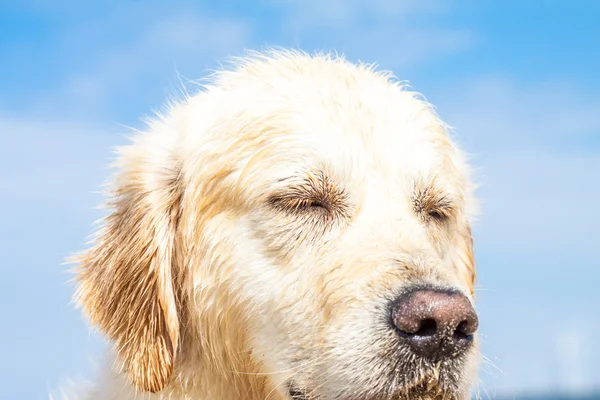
428 328
420 328
462 331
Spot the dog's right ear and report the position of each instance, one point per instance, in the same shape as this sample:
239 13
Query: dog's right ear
126 284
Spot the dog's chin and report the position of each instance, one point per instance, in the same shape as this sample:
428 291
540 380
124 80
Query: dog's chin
441 383
428 389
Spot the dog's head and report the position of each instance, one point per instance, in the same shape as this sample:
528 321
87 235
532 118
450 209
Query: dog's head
300 227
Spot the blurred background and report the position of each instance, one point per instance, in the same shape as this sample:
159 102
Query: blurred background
519 80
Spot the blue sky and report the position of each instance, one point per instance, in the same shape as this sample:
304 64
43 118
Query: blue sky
518 81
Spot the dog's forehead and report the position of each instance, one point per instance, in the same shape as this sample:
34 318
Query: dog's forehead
359 128
302 113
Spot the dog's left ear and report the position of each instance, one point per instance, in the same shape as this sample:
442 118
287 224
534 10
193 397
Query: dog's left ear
467 258
126 280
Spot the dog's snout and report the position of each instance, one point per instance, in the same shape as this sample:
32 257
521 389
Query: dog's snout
435 323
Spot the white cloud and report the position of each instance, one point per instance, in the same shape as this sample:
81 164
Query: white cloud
399 49
344 13
537 343
187 34
535 201
500 113
536 162
380 31
53 162
573 346
154 41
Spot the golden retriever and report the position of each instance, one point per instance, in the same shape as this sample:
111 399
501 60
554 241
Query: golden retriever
299 229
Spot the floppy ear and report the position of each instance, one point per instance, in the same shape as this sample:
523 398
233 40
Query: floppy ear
125 279
467 258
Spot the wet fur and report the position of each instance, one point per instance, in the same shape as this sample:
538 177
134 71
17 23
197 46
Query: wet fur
260 228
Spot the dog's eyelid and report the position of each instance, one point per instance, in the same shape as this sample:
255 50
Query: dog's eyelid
313 192
433 204
298 198
440 213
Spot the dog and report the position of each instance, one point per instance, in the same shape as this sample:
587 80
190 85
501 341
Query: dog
298 229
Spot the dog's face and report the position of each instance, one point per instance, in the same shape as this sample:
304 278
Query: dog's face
303 220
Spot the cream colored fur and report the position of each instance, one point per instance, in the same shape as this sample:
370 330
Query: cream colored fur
260 227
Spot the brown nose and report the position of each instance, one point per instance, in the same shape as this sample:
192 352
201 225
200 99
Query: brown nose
434 322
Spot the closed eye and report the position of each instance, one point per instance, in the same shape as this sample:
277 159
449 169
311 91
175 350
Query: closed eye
291 202
432 205
437 215
440 214
314 194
